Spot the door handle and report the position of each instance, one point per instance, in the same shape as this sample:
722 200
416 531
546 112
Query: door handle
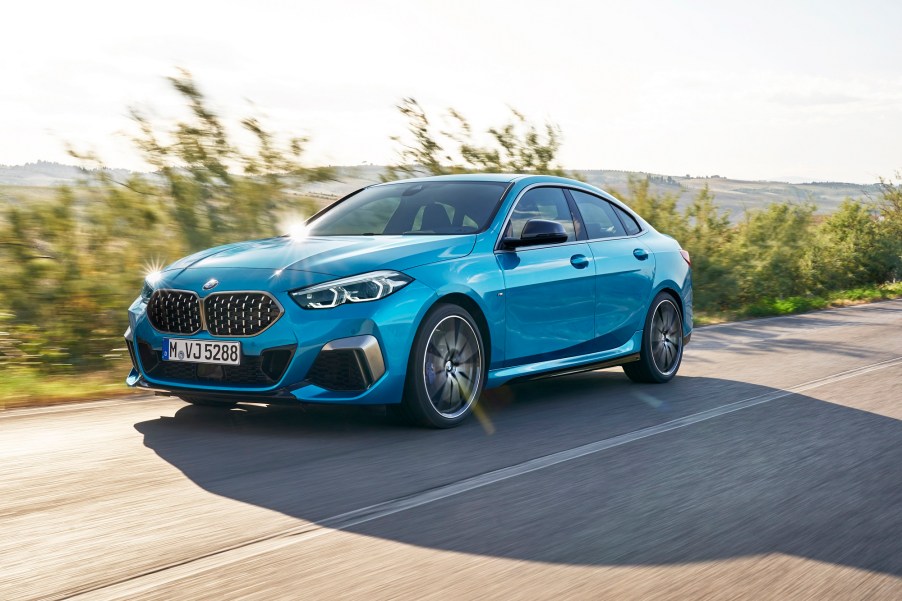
579 261
640 253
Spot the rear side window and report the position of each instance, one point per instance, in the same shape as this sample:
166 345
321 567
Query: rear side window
542 203
632 228
598 215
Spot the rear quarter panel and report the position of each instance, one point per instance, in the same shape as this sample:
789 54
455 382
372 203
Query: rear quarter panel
672 272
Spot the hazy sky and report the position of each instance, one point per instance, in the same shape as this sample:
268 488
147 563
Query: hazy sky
748 90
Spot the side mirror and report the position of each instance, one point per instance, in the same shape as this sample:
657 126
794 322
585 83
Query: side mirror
538 231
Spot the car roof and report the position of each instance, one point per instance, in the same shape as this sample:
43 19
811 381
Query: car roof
467 177
526 178
493 177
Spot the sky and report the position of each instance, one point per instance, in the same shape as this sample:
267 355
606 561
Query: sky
791 90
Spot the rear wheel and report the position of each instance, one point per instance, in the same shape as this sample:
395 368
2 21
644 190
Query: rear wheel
446 372
662 343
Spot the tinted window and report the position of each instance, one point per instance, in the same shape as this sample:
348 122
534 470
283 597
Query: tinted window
598 215
632 227
413 208
541 203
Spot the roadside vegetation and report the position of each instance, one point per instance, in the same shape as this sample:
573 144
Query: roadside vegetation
71 262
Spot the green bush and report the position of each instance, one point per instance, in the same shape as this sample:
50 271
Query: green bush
69 266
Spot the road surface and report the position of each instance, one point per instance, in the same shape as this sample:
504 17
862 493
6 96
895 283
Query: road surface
771 467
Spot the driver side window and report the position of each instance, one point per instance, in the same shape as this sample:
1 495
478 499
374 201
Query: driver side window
541 203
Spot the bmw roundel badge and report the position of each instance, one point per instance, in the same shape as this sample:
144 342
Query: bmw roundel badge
211 284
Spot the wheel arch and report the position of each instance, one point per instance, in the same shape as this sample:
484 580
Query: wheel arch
673 292
676 296
472 307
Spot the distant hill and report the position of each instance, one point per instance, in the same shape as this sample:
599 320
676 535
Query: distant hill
733 195
737 195
44 173
34 179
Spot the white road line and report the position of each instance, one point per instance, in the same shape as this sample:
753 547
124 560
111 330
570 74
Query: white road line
167 574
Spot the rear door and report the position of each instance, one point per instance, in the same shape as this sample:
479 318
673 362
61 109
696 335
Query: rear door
550 289
624 269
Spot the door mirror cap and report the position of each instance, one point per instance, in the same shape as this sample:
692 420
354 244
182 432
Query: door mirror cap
536 232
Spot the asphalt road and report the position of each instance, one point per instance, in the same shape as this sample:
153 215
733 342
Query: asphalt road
770 468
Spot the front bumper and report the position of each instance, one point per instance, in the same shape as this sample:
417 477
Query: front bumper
353 353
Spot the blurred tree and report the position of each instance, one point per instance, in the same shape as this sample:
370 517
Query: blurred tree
71 265
854 248
210 202
890 207
767 252
516 147
660 210
707 233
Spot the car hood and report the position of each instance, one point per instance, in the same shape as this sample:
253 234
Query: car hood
334 255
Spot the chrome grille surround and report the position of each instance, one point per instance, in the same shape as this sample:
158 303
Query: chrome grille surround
175 312
239 314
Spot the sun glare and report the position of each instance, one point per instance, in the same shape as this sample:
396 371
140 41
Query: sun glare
297 230
153 271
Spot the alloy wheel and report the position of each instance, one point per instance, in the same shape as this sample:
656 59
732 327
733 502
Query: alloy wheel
666 337
452 366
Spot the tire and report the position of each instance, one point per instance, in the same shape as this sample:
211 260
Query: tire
662 343
202 402
446 371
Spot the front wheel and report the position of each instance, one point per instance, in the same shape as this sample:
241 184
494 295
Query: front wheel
662 343
446 373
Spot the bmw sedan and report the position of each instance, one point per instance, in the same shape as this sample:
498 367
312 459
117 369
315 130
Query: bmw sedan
419 294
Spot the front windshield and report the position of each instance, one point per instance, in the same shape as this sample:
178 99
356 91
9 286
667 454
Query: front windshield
449 207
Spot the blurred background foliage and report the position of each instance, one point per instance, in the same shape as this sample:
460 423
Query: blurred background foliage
70 265
517 146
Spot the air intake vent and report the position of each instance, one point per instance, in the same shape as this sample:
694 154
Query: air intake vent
255 371
339 370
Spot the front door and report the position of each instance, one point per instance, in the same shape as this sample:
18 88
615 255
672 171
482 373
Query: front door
549 289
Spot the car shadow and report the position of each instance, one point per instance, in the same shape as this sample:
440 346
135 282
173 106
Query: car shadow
795 475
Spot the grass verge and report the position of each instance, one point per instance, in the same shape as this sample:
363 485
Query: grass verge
28 389
802 304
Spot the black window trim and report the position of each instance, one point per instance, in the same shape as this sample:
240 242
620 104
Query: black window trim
616 205
625 229
583 234
499 245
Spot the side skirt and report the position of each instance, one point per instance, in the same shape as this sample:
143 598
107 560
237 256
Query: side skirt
576 370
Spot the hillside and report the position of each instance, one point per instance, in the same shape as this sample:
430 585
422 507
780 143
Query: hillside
36 180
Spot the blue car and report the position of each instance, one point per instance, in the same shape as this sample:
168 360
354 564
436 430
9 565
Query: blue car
419 294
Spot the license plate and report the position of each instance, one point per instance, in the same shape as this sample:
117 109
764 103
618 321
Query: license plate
202 351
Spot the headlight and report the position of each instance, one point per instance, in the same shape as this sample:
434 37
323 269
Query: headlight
355 289
146 291
150 282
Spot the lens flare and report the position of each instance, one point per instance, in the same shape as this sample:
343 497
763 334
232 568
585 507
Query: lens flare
153 271
297 231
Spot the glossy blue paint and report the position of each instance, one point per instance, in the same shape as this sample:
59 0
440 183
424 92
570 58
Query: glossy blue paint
550 304
543 308
623 284
334 255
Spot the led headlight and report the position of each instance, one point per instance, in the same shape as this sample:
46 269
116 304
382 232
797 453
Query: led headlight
150 282
355 289
146 291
